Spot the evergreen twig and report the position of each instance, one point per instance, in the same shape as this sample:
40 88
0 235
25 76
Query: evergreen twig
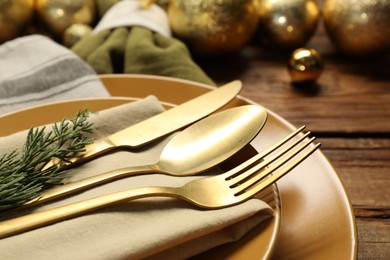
23 175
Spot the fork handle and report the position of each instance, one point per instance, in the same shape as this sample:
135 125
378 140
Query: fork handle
35 220
73 187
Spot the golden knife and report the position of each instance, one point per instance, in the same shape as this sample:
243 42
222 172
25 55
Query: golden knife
164 123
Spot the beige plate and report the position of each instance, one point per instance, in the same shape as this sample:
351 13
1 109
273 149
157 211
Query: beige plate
316 218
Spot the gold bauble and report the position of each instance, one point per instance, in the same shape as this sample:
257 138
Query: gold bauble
75 33
213 27
14 17
287 24
305 65
358 28
58 15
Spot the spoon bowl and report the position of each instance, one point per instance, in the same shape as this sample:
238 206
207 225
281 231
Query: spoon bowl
211 141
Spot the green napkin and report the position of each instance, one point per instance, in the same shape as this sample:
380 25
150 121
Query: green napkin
138 50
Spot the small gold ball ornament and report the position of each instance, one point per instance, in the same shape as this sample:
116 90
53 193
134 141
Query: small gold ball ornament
305 66
214 27
14 17
287 24
358 28
58 15
75 33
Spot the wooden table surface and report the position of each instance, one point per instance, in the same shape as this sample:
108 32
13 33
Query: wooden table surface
348 110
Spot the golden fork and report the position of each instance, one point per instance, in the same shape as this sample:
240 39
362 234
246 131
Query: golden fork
77 186
230 188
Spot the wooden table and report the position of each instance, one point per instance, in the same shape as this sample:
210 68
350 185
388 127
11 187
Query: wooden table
348 110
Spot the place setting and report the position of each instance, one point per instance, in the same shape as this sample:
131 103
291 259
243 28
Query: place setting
224 133
151 159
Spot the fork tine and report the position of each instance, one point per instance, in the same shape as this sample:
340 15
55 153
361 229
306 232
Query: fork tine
273 178
240 177
231 173
253 175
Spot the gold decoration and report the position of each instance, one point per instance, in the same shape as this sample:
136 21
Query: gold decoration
14 17
359 28
58 15
214 27
305 65
147 3
287 24
75 33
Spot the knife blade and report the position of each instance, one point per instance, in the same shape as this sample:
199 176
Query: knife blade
164 123
177 117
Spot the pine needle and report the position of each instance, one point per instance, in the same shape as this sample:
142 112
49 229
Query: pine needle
23 175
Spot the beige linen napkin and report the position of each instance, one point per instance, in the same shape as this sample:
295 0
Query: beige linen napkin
156 228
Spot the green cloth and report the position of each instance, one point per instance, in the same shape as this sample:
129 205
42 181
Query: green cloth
138 50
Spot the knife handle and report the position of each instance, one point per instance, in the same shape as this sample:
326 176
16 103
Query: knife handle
98 147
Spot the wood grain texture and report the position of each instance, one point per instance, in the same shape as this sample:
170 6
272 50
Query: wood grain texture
348 109
364 166
351 96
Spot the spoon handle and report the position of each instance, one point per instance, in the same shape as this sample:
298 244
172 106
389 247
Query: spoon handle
73 187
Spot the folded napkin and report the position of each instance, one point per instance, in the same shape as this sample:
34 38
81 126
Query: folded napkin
36 70
155 228
131 39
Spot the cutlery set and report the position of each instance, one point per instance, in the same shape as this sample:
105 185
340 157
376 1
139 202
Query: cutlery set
192 151
201 146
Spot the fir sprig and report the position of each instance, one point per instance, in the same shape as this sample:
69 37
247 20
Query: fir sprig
24 175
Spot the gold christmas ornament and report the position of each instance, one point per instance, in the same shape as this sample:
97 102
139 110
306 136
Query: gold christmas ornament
14 17
58 15
213 27
358 28
287 24
75 33
305 65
